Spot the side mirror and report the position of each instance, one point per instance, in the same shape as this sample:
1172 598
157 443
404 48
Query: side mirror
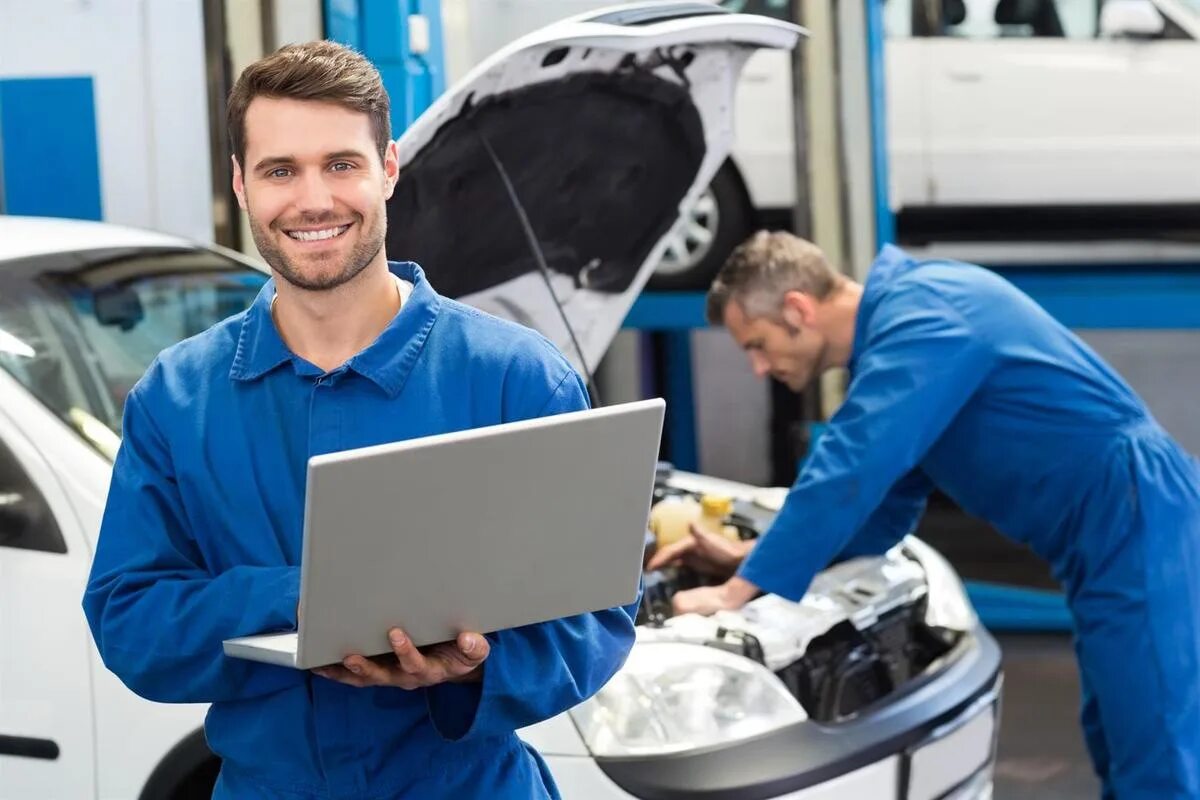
1130 19
17 517
25 524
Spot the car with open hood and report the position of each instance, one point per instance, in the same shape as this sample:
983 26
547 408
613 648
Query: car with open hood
540 188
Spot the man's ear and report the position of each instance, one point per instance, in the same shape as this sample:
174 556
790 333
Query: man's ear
239 182
798 309
391 169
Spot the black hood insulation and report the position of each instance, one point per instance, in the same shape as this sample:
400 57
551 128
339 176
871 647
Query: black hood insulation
600 162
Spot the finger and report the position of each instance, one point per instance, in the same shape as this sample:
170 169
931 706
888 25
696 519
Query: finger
408 656
371 673
670 554
703 538
463 655
474 647
680 602
339 674
452 656
446 662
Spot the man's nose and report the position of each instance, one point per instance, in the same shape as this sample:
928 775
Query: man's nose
760 365
314 195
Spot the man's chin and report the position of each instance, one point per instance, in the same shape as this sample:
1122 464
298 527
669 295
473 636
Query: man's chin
795 384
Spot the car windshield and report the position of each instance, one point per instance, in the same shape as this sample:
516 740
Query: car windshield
78 329
780 9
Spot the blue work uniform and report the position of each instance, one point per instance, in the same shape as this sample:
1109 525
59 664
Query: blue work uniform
960 381
201 542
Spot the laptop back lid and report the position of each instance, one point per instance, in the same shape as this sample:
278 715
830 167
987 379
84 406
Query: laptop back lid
478 530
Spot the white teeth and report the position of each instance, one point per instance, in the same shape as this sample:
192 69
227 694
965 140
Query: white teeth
316 236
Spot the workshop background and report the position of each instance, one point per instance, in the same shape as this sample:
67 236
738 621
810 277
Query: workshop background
1055 141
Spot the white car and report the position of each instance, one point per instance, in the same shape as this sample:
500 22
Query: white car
1048 118
880 683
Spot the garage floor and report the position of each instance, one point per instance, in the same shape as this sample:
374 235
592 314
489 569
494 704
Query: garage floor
1041 752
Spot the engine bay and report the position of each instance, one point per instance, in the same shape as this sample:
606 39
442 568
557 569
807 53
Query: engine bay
859 635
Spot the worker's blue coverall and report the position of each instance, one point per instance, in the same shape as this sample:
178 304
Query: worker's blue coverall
201 542
960 381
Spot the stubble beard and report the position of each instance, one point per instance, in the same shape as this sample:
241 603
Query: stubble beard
363 253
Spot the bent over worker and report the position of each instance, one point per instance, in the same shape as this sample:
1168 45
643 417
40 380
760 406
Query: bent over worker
960 381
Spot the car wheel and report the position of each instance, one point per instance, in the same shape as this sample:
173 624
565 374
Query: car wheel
200 783
699 245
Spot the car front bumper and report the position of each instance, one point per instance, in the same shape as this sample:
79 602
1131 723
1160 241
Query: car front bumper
934 739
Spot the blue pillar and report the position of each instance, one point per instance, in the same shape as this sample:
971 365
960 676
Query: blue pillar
885 220
681 403
385 32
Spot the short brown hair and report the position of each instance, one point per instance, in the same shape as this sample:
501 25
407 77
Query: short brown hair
765 267
319 71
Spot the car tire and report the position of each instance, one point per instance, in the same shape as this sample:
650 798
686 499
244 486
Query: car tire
719 222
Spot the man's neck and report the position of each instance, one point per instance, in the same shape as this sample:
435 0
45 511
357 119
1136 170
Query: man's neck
327 328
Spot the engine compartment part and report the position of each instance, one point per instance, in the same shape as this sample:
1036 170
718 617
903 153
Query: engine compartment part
847 670
859 634
672 516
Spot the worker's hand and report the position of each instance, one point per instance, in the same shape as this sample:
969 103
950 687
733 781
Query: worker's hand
732 594
704 552
460 661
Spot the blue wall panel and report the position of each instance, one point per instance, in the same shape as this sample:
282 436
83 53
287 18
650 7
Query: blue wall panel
48 147
379 29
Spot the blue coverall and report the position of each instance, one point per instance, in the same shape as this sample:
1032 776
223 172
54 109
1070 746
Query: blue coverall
201 541
960 381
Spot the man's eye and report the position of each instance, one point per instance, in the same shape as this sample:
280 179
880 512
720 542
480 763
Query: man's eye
279 172
341 166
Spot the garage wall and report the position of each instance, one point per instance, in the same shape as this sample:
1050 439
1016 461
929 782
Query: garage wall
733 407
1164 368
115 92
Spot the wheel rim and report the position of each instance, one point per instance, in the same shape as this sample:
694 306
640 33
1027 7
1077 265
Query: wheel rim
692 238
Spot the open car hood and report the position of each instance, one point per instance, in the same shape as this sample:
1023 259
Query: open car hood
605 125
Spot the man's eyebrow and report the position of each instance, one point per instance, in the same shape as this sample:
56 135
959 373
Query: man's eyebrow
273 161
284 161
345 154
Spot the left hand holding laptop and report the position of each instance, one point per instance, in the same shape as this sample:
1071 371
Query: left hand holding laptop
408 667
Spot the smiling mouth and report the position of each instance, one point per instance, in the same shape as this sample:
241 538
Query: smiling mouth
318 235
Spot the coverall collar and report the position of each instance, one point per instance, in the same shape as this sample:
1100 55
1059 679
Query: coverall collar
889 260
386 362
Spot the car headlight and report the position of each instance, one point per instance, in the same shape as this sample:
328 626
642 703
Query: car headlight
947 605
671 697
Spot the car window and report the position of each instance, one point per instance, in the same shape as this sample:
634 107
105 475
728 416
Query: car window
79 329
1009 19
897 14
898 19
26 521
1023 19
779 9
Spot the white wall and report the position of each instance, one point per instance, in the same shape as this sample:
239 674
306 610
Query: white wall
146 61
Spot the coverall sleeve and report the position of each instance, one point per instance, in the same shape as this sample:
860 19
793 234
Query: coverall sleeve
895 518
920 363
537 671
157 614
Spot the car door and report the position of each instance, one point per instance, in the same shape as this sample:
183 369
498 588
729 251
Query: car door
1030 106
46 730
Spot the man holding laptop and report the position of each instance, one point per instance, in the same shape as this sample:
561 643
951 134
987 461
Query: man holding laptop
201 538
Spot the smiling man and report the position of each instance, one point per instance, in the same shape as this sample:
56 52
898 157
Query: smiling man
960 381
201 537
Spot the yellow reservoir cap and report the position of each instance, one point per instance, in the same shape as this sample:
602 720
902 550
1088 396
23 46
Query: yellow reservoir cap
716 505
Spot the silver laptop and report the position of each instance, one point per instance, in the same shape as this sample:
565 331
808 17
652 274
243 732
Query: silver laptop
479 530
